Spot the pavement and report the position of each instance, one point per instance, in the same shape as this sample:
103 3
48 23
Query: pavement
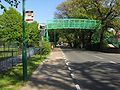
52 74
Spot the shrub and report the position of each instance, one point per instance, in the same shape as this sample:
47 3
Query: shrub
45 48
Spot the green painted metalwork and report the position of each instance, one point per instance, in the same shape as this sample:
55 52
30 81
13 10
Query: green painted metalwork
82 24
55 39
46 35
73 24
24 53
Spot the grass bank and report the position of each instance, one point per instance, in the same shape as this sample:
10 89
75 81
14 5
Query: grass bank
12 79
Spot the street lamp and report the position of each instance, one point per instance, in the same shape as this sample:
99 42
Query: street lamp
24 53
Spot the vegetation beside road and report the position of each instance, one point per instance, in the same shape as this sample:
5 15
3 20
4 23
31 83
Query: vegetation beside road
12 79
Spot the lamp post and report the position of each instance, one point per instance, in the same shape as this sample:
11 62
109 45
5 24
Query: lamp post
24 53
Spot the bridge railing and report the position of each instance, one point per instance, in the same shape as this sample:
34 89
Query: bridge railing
72 24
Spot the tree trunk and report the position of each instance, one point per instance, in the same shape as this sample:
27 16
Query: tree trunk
83 38
90 38
101 40
102 37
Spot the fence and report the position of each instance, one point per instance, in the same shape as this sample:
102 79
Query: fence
12 61
8 63
8 50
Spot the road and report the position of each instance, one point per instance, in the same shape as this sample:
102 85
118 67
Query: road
93 70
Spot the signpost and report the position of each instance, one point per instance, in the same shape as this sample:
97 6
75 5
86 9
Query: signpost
27 17
24 53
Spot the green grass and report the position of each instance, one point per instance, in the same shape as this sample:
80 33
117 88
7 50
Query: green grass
12 79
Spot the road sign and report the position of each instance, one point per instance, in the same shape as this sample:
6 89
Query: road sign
29 16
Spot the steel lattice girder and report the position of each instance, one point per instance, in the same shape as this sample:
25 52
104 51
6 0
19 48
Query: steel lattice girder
73 24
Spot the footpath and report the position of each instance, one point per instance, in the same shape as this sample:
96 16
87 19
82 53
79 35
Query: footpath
53 74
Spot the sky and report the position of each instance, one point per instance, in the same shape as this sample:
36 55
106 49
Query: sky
42 9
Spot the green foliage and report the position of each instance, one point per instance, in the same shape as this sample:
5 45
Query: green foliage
32 34
107 11
12 79
71 9
11 28
46 49
10 2
95 37
11 23
116 23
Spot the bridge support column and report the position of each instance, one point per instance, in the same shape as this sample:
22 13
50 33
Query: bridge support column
55 39
46 35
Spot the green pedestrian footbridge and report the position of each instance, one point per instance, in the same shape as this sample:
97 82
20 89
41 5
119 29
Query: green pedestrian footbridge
62 24
72 24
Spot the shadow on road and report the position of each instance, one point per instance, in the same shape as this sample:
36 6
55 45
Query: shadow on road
97 75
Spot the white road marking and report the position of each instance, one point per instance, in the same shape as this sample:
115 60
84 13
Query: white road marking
112 62
69 68
64 58
67 63
77 87
98 57
72 75
63 53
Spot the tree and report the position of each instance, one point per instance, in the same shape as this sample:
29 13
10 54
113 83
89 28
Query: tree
11 23
73 9
32 34
10 2
104 10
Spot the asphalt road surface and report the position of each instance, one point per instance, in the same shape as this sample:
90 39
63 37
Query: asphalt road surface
93 70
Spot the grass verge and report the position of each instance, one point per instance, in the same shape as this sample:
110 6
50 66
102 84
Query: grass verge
12 79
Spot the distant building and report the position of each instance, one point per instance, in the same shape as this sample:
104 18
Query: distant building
41 26
118 35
